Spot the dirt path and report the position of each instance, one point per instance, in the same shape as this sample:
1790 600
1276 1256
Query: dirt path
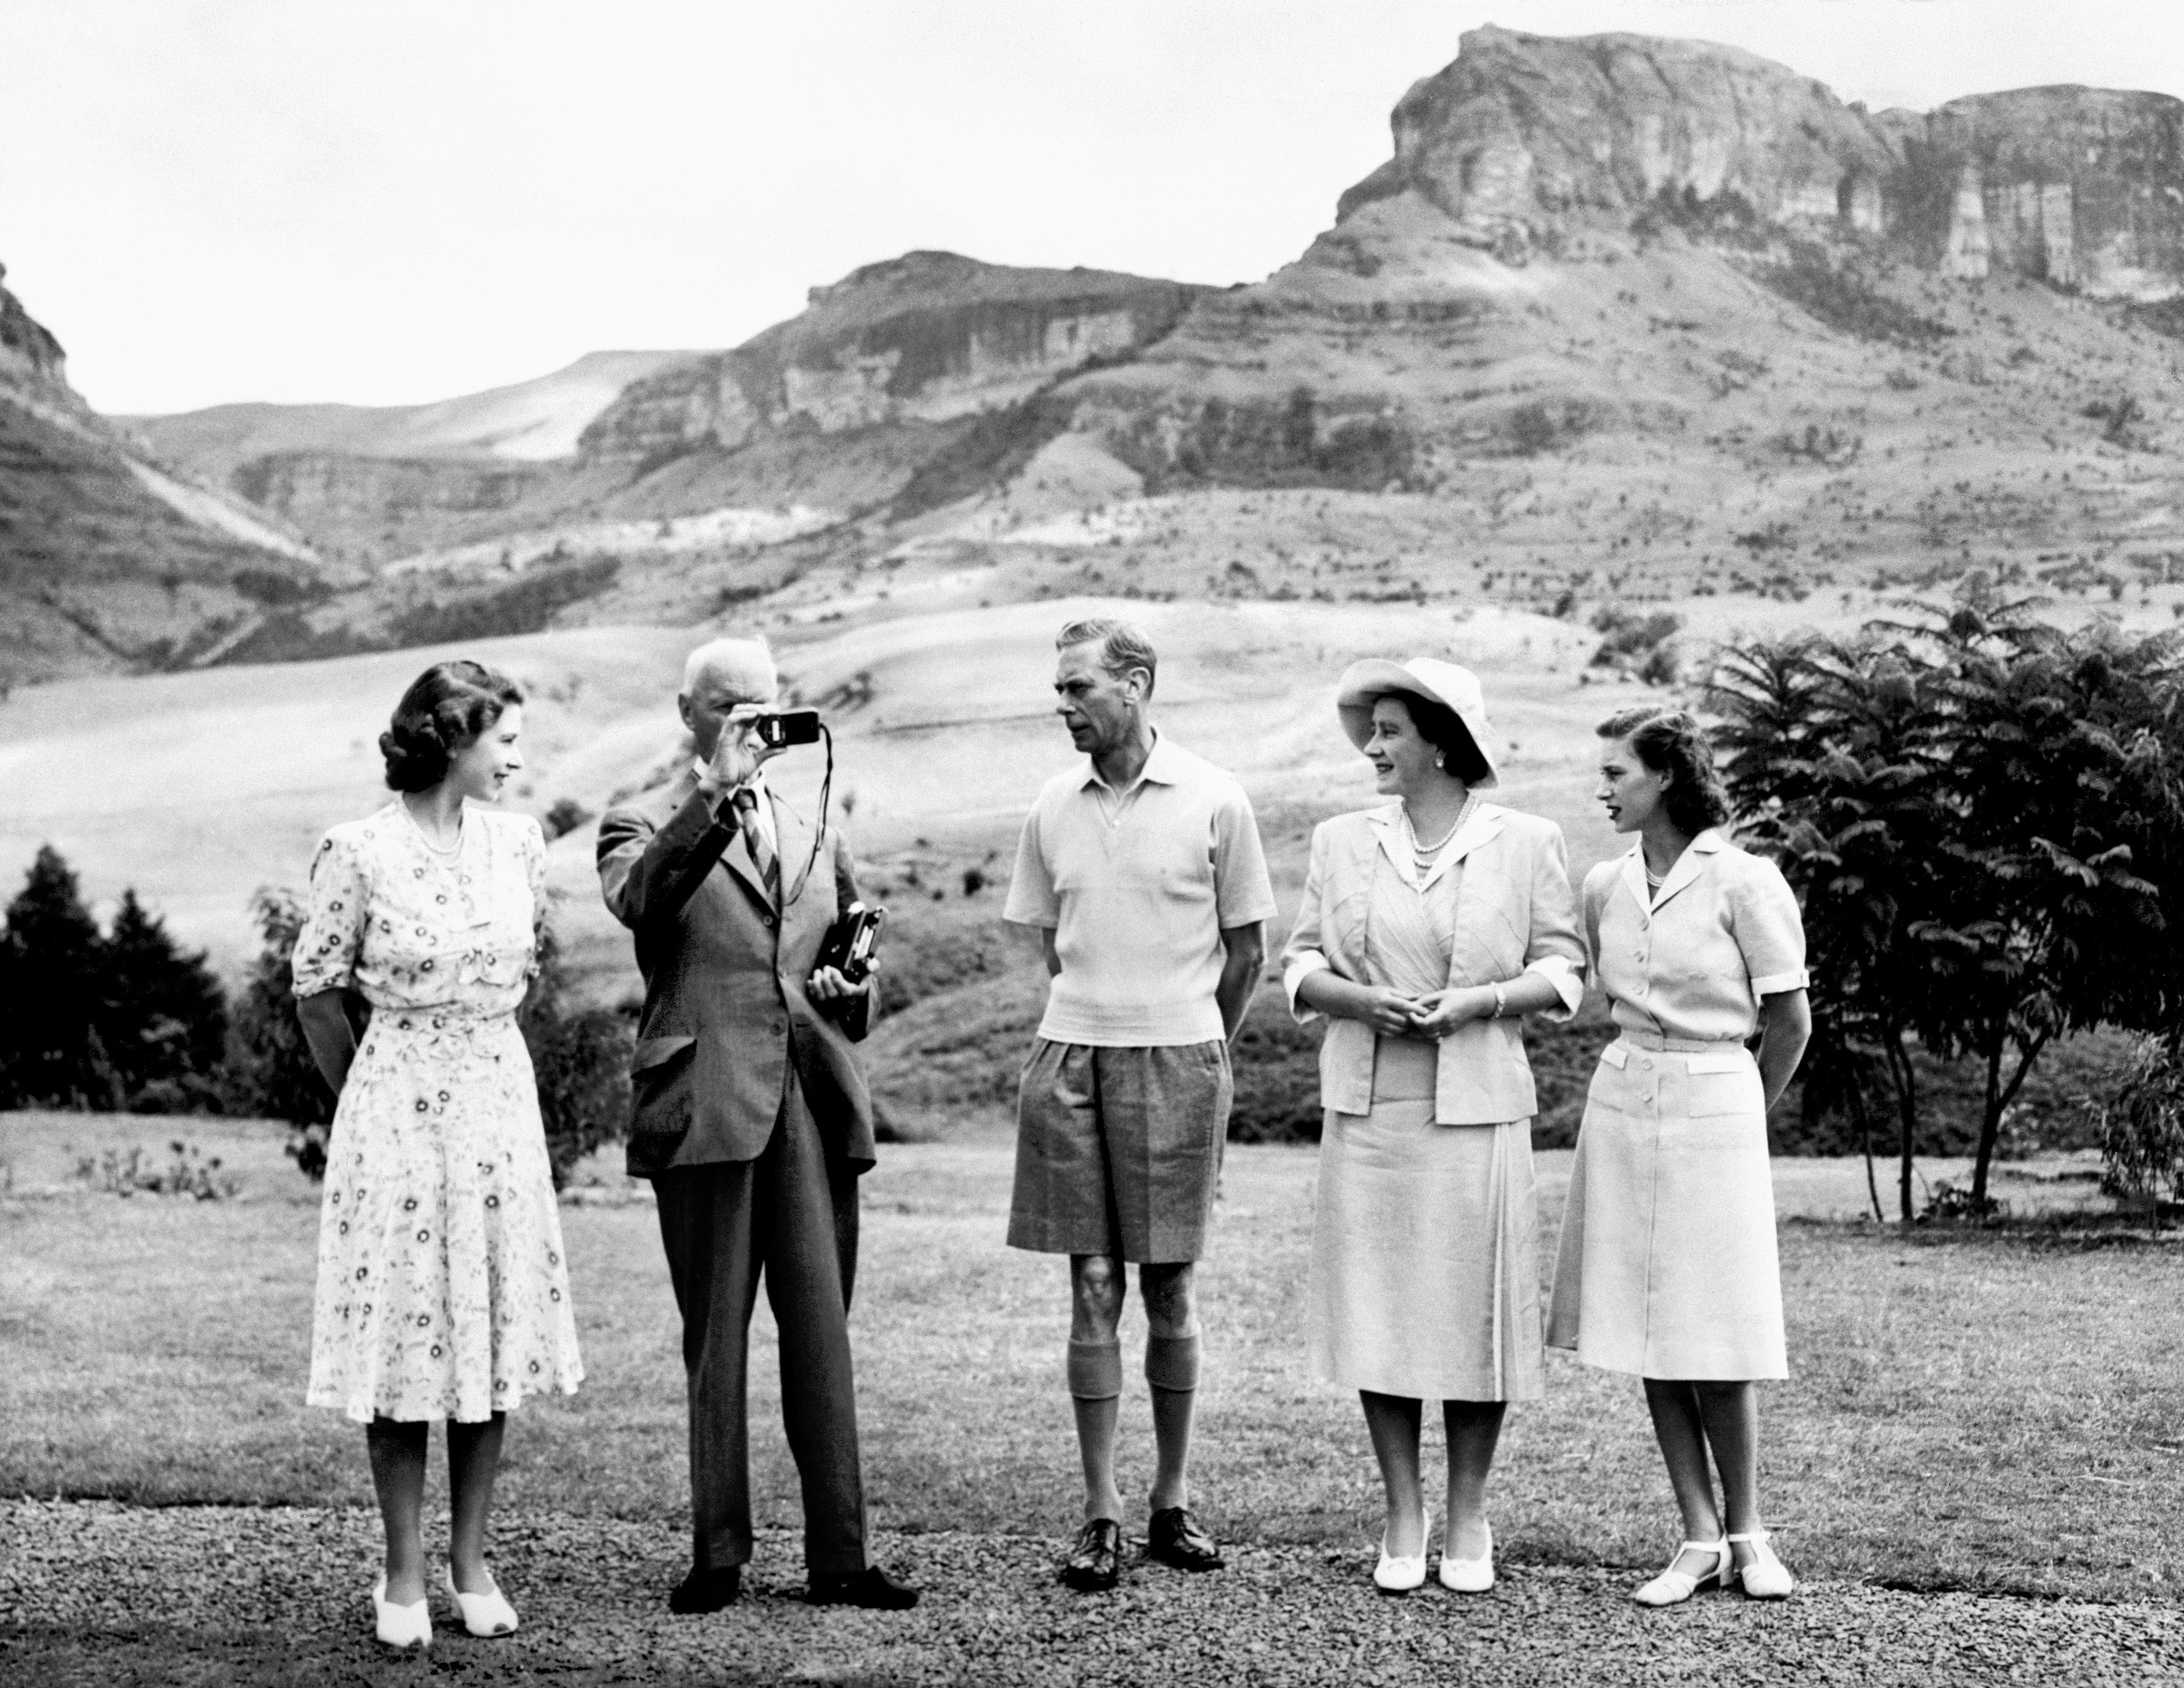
92 1593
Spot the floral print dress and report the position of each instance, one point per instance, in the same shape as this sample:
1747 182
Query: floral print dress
442 1284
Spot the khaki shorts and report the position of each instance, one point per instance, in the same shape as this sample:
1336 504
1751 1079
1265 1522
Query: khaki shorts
1118 1151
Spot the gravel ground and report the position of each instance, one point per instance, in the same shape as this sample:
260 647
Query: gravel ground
97 1593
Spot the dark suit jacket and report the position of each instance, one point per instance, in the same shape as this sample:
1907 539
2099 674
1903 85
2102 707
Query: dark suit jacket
725 1009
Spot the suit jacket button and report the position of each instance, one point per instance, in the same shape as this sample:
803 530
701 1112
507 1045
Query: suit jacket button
780 1027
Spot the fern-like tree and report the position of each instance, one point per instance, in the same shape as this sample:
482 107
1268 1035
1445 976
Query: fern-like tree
1832 761
1980 813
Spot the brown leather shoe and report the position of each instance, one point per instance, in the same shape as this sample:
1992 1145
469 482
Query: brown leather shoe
706 1591
872 1588
1174 1538
1094 1564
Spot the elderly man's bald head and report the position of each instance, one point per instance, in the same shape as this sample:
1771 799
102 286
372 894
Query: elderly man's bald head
720 675
744 665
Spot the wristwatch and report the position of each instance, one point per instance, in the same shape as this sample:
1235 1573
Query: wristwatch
1501 1001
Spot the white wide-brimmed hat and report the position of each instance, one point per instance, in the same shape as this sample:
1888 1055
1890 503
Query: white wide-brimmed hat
1455 689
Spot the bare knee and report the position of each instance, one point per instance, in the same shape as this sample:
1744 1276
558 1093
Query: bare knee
1171 1299
1096 1285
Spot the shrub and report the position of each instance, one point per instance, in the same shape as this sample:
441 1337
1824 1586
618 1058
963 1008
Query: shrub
2142 1126
565 815
527 604
581 1057
1844 299
270 1072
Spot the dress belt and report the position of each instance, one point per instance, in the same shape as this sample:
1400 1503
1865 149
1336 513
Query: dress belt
1654 1040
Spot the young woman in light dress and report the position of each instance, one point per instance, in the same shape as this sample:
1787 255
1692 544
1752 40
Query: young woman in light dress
1428 927
1666 1265
442 1284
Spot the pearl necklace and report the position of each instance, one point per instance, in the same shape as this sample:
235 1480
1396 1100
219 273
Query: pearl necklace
1430 850
425 838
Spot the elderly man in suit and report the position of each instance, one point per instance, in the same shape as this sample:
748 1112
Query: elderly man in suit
751 1118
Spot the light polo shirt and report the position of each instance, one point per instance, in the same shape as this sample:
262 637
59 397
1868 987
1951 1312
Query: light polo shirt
1137 886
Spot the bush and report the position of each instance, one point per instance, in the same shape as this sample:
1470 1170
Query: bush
2142 1126
564 816
1275 1064
270 1072
581 1057
527 604
1845 300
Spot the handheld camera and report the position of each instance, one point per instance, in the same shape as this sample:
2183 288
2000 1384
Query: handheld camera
851 941
788 727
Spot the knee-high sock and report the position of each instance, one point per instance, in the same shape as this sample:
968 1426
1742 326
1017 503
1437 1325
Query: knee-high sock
1172 1363
1095 1369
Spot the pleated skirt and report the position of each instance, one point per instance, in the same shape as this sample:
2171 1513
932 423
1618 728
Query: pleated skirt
1425 1256
1667 1264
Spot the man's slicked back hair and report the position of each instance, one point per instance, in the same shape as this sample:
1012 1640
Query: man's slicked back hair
1123 646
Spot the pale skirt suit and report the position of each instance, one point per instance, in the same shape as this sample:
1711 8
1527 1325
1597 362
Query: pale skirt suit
1667 1264
1425 1273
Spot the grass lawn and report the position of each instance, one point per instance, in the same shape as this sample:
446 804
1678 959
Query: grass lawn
1975 1410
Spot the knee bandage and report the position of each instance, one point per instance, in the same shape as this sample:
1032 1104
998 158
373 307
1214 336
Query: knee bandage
1095 1370
1172 1363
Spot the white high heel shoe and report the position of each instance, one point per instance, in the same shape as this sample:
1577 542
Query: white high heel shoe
1766 1578
1673 1587
1468 1576
1394 1575
401 1626
487 1614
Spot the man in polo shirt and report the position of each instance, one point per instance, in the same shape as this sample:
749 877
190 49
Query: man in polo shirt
1142 869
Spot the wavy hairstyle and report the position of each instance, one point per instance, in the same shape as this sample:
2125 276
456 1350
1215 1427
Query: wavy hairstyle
1443 728
1671 742
443 711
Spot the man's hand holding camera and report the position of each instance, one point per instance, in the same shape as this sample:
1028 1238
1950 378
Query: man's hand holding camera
739 753
829 984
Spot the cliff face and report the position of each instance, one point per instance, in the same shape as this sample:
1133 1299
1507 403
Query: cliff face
106 560
930 336
1522 132
28 352
1524 137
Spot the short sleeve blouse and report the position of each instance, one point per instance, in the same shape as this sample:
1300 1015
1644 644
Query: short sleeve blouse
411 927
1723 932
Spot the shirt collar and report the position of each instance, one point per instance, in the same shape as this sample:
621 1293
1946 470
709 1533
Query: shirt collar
1160 768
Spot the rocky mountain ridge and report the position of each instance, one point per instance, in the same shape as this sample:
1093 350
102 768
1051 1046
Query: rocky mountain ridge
108 559
1619 319
1524 136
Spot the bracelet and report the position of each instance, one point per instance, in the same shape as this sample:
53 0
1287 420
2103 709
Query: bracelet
1501 1001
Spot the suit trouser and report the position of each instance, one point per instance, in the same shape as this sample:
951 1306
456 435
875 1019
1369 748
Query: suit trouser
791 1213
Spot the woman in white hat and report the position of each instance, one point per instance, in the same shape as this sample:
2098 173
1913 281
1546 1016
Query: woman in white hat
1430 925
1666 1265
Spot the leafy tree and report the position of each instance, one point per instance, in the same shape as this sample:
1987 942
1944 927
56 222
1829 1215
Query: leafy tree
270 1072
1829 759
1981 815
162 1016
51 1052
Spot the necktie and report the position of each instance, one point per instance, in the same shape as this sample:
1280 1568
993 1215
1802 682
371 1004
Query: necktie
768 864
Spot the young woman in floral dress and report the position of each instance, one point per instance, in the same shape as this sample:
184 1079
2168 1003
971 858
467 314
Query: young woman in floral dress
442 1284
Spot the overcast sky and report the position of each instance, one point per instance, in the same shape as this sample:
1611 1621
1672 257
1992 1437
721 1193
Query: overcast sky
386 202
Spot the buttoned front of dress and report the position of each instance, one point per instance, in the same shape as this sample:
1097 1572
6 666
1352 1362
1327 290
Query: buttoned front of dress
1667 1267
